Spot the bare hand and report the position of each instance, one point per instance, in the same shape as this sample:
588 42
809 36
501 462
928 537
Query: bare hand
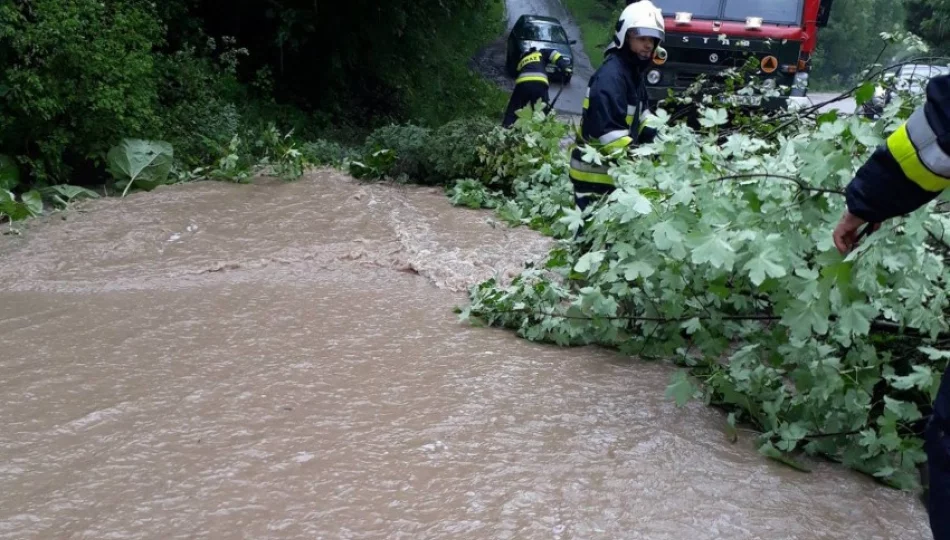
846 233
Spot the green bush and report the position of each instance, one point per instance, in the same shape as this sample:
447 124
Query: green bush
453 147
324 152
410 144
77 76
198 95
423 156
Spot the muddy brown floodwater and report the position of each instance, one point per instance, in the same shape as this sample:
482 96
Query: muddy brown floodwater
281 361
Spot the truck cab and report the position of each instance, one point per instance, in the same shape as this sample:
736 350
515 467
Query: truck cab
706 37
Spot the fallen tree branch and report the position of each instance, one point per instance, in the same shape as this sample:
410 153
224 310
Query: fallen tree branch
801 185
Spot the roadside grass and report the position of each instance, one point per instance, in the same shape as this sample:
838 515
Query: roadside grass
441 87
596 20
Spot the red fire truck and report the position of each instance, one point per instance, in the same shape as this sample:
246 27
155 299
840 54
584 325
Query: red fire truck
704 37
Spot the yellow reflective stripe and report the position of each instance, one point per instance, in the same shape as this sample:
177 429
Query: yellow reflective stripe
531 78
629 120
533 57
901 147
555 56
619 143
586 103
593 178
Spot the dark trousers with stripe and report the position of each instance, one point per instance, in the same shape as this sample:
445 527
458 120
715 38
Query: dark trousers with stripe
525 93
937 445
586 193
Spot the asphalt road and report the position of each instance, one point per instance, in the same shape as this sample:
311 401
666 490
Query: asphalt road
572 95
846 106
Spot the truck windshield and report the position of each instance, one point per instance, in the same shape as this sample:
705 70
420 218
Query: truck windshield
771 11
701 9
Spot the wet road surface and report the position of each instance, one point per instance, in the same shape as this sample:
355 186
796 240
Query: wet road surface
572 95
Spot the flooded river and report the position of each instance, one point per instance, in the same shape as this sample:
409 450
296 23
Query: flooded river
281 361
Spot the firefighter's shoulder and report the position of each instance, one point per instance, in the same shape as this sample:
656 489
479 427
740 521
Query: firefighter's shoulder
611 74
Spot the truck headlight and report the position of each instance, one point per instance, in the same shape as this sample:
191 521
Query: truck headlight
653 76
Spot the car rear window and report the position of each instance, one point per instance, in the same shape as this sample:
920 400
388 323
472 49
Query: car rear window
543 32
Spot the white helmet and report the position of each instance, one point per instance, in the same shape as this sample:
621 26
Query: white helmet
644 18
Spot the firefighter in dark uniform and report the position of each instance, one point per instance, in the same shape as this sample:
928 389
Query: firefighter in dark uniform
612 119
531 85
900 177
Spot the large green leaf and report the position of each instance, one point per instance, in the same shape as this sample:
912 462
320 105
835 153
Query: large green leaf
31 205
146 164
69 192
864 93
34 202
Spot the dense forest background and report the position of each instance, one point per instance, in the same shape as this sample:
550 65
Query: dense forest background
78 76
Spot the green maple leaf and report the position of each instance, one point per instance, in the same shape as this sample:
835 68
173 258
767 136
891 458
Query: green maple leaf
765 264
935 354
802 318
573 219
591 155
635 269
692 326
667 237
633 204
885 472
864 93
589 261
712 248
855 320
714 117
791 434
904 410
922 377
869 439
681 389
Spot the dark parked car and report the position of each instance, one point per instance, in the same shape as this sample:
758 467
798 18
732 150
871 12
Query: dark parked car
912 78
539 32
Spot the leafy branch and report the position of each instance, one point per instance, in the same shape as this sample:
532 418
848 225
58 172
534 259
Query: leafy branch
801 185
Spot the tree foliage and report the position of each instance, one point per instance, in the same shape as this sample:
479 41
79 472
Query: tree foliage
930 19
852 40
77 77
716 251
